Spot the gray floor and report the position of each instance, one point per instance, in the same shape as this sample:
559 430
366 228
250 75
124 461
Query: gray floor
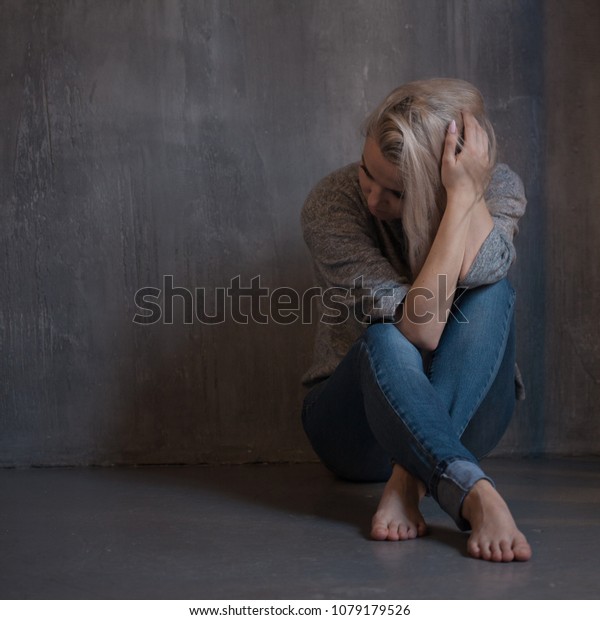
279 531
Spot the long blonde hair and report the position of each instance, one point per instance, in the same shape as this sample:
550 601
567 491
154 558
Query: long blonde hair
409 127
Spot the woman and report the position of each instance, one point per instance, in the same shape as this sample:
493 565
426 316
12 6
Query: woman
415 380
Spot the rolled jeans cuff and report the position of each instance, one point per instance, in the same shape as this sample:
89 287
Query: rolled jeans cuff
453 485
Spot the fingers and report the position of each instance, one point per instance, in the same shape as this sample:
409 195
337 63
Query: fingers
466 170
476 138
470 129
450 143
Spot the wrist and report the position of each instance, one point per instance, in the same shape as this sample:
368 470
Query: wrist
462 200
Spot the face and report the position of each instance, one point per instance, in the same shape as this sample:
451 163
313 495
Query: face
380 183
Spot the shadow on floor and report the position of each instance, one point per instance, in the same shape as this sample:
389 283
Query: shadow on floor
279 532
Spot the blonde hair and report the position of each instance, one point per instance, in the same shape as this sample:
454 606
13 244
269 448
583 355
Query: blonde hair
409 127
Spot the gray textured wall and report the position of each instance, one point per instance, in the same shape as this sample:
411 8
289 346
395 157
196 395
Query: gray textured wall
141 139
572 227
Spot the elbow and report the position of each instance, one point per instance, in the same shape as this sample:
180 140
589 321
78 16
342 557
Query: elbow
427 343
422 328
421 336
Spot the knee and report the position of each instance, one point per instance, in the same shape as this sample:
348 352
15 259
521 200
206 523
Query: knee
489 306
387 334
386 339
499 293
383 331
503 289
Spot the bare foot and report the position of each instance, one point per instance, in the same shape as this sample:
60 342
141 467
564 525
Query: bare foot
398 516
495 536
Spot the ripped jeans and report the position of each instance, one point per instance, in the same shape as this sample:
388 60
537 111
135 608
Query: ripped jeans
384 405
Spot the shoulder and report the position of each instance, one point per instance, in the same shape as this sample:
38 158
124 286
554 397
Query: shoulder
342 178
339 190
505 182
505 193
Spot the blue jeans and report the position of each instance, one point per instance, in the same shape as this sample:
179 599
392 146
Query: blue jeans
384 405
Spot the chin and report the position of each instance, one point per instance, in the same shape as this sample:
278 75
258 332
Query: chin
383 215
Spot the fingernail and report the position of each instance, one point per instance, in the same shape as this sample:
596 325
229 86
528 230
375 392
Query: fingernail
452 126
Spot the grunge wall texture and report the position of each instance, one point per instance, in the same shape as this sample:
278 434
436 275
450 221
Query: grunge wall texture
146 138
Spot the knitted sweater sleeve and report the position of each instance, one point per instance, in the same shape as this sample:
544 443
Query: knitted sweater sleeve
505 199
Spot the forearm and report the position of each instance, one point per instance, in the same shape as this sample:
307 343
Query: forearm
429 300
481 225
505 201
462 230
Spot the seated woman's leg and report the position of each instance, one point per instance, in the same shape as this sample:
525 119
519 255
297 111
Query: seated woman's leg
476 357
380 403
413 425
479 391
334 420
489 423
411 422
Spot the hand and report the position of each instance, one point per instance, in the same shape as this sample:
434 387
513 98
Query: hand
465 175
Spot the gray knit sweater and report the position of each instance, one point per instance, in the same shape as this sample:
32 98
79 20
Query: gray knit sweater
360 261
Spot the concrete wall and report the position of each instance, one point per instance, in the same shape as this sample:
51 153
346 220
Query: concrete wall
145 139
572 227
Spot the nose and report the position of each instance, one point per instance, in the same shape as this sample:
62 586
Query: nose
374 196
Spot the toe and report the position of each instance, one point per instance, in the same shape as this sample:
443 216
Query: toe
485 552
506 551
522 551
379 531
474 549
411 532
394 531
495 552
